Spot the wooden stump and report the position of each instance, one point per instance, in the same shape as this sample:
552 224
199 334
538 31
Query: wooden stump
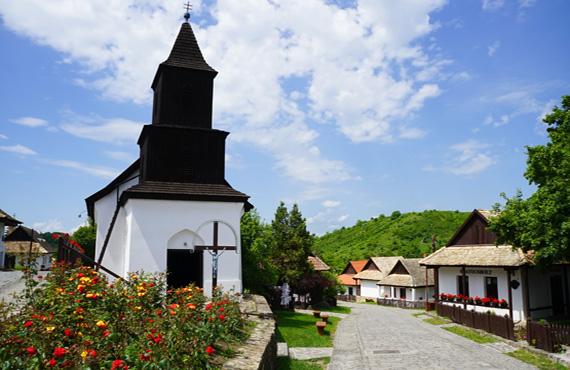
325 317
321 327
317 314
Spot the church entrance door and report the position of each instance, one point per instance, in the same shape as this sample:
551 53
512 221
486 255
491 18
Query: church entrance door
184 268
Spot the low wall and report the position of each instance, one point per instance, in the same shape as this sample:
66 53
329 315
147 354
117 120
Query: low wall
402 303
259 352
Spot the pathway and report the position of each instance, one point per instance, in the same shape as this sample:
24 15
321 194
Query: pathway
377 337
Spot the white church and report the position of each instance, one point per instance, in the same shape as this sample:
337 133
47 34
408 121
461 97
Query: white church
171 208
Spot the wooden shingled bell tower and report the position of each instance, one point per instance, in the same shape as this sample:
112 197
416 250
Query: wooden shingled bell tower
173 209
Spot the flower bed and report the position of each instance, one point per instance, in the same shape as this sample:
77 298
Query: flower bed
79 320
476 301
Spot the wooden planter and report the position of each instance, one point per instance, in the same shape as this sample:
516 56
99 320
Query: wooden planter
321 325
317 314
325 317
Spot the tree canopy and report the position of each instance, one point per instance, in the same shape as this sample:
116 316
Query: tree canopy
542 221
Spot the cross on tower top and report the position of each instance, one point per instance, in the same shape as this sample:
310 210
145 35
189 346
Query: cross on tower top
188 8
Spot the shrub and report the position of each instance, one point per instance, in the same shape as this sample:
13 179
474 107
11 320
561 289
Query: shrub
79 320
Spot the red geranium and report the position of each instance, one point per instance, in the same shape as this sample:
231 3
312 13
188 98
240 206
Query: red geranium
59 352
28 323
222 317
67 332
119 364
31 351
210 350
52 362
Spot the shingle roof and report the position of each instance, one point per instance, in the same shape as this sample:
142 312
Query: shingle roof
184 191
346 279
318 264
23 247
476 255
186 52
384 264
416 275
21 236
8 220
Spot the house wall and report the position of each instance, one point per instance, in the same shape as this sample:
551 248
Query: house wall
540 292
412 294
368 288
448 285
149 232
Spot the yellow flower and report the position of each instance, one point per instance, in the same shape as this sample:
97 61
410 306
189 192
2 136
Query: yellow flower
141 294
137 308
85 280
83 354
49 329
80 287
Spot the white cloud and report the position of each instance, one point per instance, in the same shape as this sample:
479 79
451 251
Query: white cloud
342 218
499 121
492 49
17 149
382 73
469 158
121 156
527 3
98 171
108 130
48 225
492 4
330 203
3 137
30 121
411 133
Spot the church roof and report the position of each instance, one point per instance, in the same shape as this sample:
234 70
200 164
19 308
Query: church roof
185 191
186 52
8 220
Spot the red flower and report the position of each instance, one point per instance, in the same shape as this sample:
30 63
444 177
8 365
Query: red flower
210 350
28 323
52 362
31 351
222 309
222 317
119 364
106 333
92 353
67 332
208 306
59 352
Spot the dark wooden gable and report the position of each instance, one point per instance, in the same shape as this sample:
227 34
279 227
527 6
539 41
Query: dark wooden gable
349 269
473 231
21 234
370 265
399 268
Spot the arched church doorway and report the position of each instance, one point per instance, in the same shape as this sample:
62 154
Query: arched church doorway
184 265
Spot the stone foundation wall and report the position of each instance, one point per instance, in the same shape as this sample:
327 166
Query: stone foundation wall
259 352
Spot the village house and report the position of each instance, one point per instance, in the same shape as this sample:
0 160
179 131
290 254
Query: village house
9 221
346 277
172 210
407 281
375 269
22 242
473 272
317 264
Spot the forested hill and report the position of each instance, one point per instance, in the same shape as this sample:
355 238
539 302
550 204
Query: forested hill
406 234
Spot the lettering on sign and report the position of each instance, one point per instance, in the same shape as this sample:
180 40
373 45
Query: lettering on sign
478 271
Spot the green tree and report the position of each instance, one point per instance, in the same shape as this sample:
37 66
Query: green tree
290 244
85 236
258 273
542 221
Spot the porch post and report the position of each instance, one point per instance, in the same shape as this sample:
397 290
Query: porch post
525 292
464 286
510 293
436 283
565 276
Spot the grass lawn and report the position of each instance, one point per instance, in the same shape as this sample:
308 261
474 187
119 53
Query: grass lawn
337 309
418 314
540 361
436 321
470 334
299 330
286 363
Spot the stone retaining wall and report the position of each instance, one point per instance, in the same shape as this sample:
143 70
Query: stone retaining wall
259 352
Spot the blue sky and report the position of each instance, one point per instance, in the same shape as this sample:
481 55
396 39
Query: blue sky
349 108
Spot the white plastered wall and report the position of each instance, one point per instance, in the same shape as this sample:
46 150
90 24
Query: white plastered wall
368 288
448 285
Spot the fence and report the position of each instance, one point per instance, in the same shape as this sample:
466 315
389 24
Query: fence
346 298
501 326
548 337
402 303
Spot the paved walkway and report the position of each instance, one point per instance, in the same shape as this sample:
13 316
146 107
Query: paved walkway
376 337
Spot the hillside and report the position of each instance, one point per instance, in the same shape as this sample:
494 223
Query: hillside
407 234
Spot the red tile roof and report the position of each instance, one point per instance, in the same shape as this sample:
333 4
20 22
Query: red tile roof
346 279
358 265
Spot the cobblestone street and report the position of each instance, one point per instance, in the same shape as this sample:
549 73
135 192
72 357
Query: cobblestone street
378 337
